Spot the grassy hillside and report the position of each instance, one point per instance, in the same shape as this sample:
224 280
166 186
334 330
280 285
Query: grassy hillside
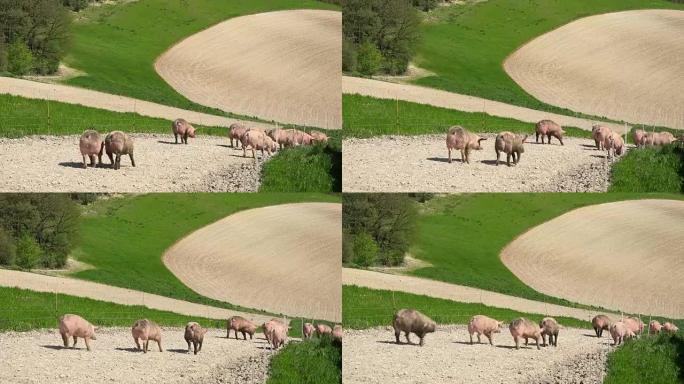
462 235
466 45
124 238
116 45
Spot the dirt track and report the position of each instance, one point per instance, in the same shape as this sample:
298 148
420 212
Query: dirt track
54 164
419 163
283 66
38 357
424 95
442 290
624 65
95 99
283 259
371 356
96 291
629 258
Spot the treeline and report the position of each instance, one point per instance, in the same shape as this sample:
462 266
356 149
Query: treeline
38 230
377 229
35 34
381 35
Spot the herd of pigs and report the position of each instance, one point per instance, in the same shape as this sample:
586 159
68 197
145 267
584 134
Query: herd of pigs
512 144
275 331
118 143
411 321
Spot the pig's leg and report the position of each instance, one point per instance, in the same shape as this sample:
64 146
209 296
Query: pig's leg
517 342
508 159
132 161
596 330
244 335
253 153
560 139
194 344
244 151
422 340
65 339
251 335
175 135
85 164
188 341
408 340
498 154
75 339
536 140
471 339
117 161
526 340
396 335
555 340
449 155
491 338
137 344
537 340
228 333
463 158
87 342
479 341
159 345
544 339
147 343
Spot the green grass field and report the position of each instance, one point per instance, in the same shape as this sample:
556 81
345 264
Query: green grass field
124 238
313 361
653 360
367 116
116 45
461 236
649 170
466 45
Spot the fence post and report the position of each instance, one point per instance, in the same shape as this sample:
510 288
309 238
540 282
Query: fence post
396 128
48 115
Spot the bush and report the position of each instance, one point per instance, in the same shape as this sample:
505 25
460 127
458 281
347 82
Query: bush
7 248
349 56
425 5
365 250
76 5
19 58
659 169
3 55
369 59
28 252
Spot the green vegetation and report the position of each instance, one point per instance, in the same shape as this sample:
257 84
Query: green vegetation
367 117
124 238
312 361
37 230
650 170
466 45
116 45
654 360
366 308
33 310
378 228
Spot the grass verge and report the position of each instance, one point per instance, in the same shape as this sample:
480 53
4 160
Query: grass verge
653 360
649 170
367 116
313 361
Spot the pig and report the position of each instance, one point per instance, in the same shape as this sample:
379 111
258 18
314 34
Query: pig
659 138
620 332
180 127
549 326
337 333
319 137
599 133
75 326
279 136
91 144
146 330
118 143
670 328
654 327
323 329
235 131
522 328
307 330
639 138
194 333
510 144
410 320
633 324
242 325
296 137
601 323
549 129
278 335
257 140
483 325
615 143
269 326
461 139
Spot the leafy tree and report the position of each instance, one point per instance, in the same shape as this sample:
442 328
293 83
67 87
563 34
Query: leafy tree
29 252
365 250
369 59
349 56
3 55
7 248
19 58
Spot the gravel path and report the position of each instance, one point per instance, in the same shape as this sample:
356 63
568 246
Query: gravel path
54 164
39 357
371 356
442 290
96 291
419 163
444 99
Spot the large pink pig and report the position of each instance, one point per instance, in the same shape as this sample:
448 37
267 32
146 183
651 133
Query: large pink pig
75 326
483 325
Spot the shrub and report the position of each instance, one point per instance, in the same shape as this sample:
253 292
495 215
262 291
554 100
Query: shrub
365 250
349 56
369 59
425 5
19 58
7 248
3 55
28 252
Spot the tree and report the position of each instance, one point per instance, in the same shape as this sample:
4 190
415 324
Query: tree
29 252
369 59
19 58
7 248
349 56
365 250
3 55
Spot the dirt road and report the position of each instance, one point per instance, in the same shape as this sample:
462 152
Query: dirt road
283 66
283 259
96 291
54 164
39 357
419 163
371 356
629 258
625 66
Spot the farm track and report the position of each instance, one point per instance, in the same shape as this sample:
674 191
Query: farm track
628 259
444 99
442 290
283 259
283 66
623 65
96 291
